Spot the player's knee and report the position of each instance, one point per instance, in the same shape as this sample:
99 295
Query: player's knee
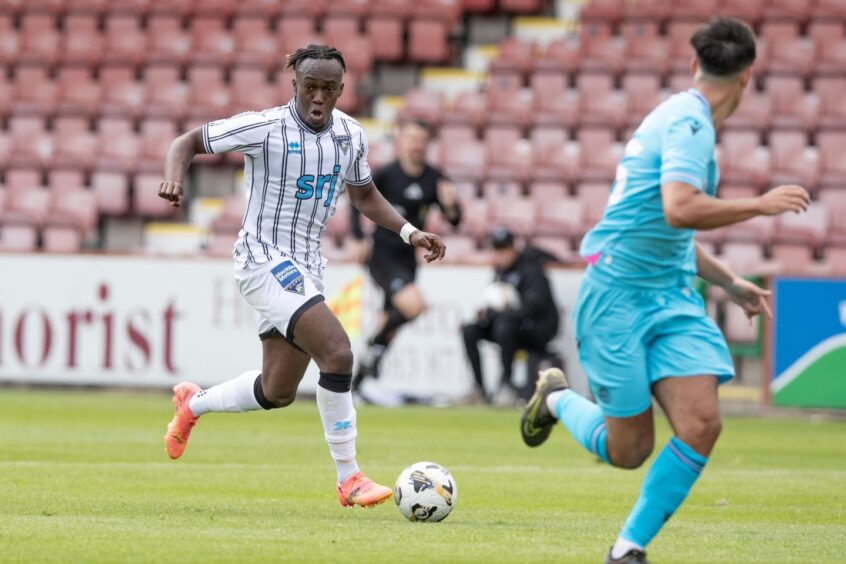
337 358
635 454
281 398
702 431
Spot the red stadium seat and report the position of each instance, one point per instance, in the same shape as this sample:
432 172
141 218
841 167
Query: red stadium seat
829 10
284 83
463 250
311 8
681 52
554 103
26 206
694 9
357 52
601 51
791 106
118 145
215 8
831 92
208 95
517 214
737 326
267 9
793 258
336 26
775 31
507 159
508 105
137 7
428 41
809 228
61 239
643 94
65 180
126 42
15 237
495 189
475 217
78 92
30 142
156 137
836 257
563 216
599 154
255 43
385 35
830 57
754 112
9 40
33 91
351 101
39 39
20 179
743 160
832 148
823 32
547 191
211 42
514 55
759 230
468 107
594 198
788 10
112 190
293 23
791 162
646 50
607 11
833 200
168 42
464 161
791 56
82 42
478 5
455 134
599 103
750 11
743 258
561 55
423 104
553 158
558 247
252 91
145 197
74 208
447 11
75 143
122 94
166 95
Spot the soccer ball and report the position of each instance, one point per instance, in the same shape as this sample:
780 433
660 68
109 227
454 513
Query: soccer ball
425 491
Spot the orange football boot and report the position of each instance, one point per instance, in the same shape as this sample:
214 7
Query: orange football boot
358 489
179 429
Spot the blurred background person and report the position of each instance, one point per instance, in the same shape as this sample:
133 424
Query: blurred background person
412 186
520 313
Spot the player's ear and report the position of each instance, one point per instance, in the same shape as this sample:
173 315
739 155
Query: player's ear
694 65
745 77
340 89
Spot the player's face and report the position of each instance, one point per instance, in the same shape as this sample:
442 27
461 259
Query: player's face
318 84
414 142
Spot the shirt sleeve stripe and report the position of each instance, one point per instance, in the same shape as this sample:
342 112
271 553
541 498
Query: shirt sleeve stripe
206 142
359 182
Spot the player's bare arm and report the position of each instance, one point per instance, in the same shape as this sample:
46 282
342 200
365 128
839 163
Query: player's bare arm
370 202
687 207
178 158
747 295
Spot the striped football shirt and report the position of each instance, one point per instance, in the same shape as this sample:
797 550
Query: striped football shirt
293 176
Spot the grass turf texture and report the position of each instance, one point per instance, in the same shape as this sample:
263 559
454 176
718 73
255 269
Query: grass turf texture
84 477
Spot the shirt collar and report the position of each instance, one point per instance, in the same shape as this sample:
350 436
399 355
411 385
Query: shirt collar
697 94
303 125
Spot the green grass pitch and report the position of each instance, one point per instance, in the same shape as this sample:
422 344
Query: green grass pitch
84 478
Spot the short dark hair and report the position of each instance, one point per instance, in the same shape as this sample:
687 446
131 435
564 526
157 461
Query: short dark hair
419 122
314 52
724 46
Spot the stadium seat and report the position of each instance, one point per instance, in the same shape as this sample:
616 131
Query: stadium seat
462 250
20 179
499 189
336 26
832 148
758 230
599 154
78 92
156 137
517 214
832 101
230 218
284 84
464 161
122 94
793 56
515 55
255 43
267 9
126 42
208 95
293 23
743 160
311 8
646 10
75 143
561 55
61 239
145 197
357 51
82 42
40 40
737 327
26 206
211 42
423 104
9 39
214 8
750 11
836 258
386 37
599 103
137 7
167 41
553 158
699 10
822 32
428 41
605 11
469 107
830 57
792 161
33 91
478 5
30 142
475 218
781 30
251 90
829 10
17 237
117 144
558 247
508 105
793 258
351 101
788 10
547 191
65 179
521 6
112 190
166 95
508 156
754 112
743 258
646 50
554 103
601 51
809 228
643 94
563 216
594 199
833 200
681 52
73 208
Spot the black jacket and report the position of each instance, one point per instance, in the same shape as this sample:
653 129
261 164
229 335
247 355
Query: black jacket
537 304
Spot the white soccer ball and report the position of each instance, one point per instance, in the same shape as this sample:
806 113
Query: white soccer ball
501 295
425 491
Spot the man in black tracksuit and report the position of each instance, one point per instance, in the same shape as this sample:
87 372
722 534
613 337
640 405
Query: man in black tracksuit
412 187
530 324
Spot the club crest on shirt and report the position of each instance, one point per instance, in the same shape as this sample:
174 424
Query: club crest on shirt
289 277
343 142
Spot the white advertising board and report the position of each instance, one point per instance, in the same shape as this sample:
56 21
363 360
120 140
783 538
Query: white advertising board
151 322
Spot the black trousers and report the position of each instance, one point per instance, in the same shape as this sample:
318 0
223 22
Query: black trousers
511 333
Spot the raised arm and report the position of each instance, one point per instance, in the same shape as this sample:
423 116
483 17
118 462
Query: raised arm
686 206
373 205
178 158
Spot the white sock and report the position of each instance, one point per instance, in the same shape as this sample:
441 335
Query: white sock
233 395
552 401
338 415
622 546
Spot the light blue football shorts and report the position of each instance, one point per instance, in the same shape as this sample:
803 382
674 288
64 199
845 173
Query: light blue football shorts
631 338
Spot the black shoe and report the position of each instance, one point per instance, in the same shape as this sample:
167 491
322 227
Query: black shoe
634 556
537 422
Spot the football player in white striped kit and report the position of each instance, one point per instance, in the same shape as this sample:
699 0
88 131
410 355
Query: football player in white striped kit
298 159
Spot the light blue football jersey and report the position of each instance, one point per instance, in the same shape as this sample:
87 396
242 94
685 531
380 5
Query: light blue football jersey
633 244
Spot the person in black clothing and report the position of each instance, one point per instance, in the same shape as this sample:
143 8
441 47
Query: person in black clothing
412 187
526 320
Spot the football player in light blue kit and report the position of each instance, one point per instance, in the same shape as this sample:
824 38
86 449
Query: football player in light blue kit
641 327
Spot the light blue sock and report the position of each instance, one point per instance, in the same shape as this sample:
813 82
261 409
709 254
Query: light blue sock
584 420
666 485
